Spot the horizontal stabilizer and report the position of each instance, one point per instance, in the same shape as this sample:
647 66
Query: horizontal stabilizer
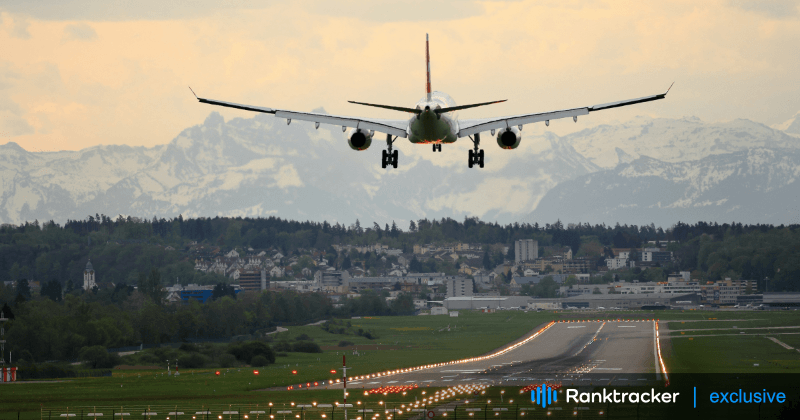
456 108
394 108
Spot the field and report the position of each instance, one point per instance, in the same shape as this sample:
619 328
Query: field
400 342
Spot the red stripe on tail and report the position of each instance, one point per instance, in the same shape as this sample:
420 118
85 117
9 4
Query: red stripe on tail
428 67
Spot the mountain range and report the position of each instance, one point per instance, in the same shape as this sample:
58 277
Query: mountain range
647 170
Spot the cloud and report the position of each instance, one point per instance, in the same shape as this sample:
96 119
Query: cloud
121 10
79 32
772 8
12 125
19 28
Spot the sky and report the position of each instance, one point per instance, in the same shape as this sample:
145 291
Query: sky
75 74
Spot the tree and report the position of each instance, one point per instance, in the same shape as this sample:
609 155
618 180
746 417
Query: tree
346 264
23 288
52 290
487 260
415 266
403 305
222 290
412 227
151 286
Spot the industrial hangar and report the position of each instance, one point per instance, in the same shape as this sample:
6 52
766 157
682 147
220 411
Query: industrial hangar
586 301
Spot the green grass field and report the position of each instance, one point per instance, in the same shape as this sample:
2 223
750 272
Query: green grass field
401 342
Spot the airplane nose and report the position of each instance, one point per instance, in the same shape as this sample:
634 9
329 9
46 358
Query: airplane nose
427 108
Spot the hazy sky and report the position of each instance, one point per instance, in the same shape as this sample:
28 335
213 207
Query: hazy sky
79 73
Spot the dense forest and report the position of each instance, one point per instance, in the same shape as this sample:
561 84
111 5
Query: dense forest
62 320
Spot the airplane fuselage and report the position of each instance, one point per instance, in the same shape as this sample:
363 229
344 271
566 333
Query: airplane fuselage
429 127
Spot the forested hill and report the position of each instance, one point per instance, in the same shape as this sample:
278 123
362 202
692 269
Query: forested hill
120 249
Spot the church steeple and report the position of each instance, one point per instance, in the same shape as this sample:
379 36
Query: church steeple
88 277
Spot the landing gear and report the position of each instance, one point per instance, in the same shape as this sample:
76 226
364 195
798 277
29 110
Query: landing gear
476 155
389 157
437 147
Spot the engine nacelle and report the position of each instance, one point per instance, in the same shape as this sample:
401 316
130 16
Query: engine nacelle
508 138
359 139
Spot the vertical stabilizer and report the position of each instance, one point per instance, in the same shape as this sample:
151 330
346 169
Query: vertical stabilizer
428 68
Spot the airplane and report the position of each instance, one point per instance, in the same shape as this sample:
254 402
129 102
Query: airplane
434 121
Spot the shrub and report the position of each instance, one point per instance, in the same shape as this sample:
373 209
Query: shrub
189 348
344 343
97 357
258 361
303 337
283 346
227 360
247 350
193 360
306 347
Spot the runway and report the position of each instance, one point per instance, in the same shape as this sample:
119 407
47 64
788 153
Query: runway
577 353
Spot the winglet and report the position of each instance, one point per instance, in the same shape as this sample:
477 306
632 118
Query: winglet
670 87
195 95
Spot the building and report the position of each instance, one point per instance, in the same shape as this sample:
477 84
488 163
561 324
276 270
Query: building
630 301
201 293
459 287
253 280
88 277
480 302
526 250
656 255
335 281
438 310
616 263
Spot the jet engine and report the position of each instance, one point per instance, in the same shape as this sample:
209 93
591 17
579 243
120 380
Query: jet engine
508 138
359 139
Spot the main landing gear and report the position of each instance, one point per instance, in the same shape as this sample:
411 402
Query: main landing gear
476 155
389 157
437 147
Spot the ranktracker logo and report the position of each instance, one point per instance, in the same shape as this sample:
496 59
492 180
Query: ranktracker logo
615 396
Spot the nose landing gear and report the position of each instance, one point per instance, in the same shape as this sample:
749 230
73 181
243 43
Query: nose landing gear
476 155
437 147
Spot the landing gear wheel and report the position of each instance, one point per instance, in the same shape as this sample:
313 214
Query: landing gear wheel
476 155
389 157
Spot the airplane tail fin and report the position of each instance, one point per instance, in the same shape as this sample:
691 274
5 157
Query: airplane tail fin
428 68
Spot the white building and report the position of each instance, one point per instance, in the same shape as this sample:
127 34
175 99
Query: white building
615 263
526 250
459 287
88 277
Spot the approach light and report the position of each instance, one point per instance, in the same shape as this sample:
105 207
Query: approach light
294 372
333 370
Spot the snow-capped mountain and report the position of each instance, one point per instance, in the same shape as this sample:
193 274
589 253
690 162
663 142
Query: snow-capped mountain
791 126
261 167
658 169
673 140
753 186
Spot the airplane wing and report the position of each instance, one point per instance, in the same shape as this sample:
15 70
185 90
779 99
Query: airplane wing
393 127
468 127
